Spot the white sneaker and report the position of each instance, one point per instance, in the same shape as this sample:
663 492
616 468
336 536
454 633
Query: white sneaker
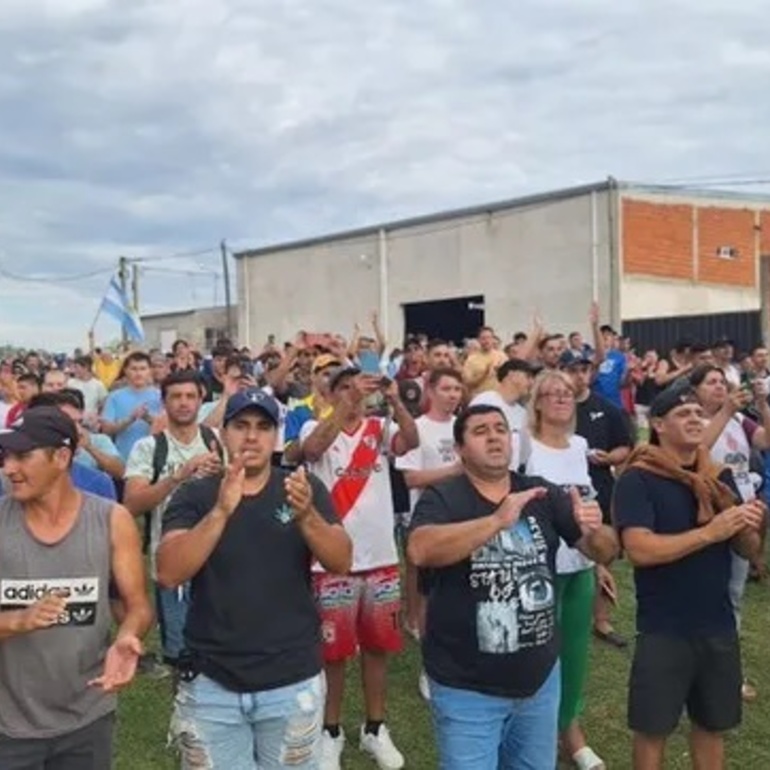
382 749
423 685
331 750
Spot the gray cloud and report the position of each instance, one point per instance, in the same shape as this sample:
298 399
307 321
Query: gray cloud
154 127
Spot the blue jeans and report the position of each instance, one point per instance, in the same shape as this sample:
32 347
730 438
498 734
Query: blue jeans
485 732
215 728
171 607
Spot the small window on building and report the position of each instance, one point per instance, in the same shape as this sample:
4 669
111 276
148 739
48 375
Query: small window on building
727 252
213 335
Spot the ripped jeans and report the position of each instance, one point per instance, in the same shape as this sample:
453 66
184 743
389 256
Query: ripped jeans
217 729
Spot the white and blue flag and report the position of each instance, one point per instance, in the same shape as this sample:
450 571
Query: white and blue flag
116 304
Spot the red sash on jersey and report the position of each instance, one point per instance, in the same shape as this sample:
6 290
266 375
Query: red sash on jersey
348 487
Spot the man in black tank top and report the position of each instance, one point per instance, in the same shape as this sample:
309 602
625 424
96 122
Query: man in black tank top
58 549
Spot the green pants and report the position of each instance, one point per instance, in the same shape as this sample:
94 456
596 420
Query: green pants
575 613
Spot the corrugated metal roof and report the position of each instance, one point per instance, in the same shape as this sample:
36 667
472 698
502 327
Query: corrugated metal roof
491 208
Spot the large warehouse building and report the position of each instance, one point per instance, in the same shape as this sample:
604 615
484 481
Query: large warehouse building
662 261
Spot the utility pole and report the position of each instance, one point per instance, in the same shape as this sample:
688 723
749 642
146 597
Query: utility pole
123 278
135 287
228 300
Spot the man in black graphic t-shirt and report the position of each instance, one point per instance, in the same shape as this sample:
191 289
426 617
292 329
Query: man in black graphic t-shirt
247 541
487 542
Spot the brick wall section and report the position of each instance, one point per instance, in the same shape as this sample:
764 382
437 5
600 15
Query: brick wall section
726 227
657 239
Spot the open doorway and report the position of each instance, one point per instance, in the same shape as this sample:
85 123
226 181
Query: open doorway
450 319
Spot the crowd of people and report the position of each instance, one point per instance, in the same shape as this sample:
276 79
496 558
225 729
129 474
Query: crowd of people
303 506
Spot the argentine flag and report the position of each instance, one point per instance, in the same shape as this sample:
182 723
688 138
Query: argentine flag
116 304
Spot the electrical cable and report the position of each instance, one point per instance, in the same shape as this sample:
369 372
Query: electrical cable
54 279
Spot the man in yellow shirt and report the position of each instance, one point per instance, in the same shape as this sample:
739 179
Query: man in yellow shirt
106 367
480 369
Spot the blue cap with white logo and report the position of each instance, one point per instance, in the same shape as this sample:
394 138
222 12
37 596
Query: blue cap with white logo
253 398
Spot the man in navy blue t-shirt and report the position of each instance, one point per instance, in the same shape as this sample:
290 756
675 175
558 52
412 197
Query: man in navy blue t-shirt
679 518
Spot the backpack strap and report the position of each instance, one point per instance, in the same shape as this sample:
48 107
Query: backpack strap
210 437
159 456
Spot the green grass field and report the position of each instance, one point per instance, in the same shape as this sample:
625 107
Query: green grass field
144 708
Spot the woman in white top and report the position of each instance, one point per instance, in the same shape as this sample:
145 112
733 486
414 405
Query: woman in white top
561 457
730 437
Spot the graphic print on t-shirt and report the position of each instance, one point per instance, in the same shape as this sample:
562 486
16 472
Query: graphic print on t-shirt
513 587
82 595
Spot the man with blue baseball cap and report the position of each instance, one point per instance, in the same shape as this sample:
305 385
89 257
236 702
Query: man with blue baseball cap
252 686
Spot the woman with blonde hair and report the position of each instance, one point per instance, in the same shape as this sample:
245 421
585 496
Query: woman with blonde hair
560 456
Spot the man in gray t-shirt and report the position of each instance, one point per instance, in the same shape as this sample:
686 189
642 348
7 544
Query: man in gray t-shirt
59 549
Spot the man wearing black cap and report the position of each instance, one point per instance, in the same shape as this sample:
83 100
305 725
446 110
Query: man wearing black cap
679 519
514 383
252 686
605 428
59 549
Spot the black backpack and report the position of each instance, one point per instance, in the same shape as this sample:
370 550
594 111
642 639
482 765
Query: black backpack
160 453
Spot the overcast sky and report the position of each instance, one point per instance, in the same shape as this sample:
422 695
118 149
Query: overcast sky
153 127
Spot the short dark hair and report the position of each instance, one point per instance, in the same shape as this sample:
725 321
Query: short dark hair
221 350
437 374
514 365
436 342
461 423
29 377
137 357
699 347
181 377
73 397
65 397
85 361
520 337
44 399
177 343
548 338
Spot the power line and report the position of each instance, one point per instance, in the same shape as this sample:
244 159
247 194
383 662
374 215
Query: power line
54 279
172 271
180 255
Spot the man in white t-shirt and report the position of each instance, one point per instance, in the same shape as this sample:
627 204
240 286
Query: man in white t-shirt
92 388
432 461
514 383
154 473
349 452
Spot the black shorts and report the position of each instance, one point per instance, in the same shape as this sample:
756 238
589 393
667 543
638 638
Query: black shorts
670 673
